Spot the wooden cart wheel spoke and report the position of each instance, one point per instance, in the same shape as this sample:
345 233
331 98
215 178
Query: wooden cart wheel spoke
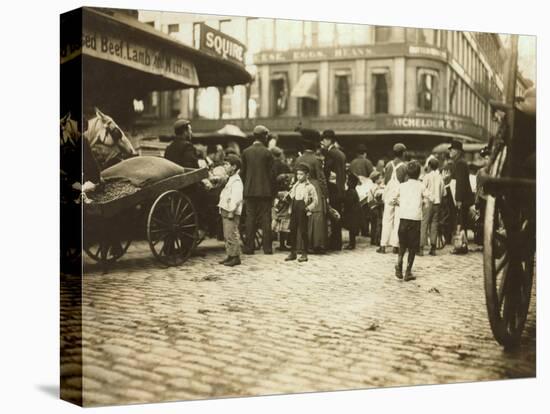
173 219
180 211
187 217
160 222
502 289
188 235
501 263
187 226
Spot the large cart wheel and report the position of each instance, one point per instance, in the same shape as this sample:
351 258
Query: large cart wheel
508 261
107 252
258 238
172 228
441 242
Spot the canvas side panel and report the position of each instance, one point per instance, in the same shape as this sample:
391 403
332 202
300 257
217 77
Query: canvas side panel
71 209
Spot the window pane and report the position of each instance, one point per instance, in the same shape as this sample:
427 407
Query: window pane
380 94
382 34
426 36
342 95
345 34
173 28
326 34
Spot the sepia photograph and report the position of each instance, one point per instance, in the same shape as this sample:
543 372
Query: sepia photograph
257 206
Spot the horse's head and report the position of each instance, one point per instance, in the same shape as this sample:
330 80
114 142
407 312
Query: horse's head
103 129
68 130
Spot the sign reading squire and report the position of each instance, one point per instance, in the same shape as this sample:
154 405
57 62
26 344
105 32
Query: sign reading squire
219 44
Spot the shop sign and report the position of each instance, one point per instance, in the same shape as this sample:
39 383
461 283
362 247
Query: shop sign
118 48
219 44
426 122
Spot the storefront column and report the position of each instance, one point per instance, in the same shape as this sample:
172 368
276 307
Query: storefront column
358 92
398 89
265 91
294 75
324 85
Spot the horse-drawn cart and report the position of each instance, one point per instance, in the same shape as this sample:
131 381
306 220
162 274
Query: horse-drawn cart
162 212
510 215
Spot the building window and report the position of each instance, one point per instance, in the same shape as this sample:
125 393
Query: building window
173 28
309 107
382 34
449 41
343 96
152 24
410 34
427 90
380 93
426 36
279 93
307 92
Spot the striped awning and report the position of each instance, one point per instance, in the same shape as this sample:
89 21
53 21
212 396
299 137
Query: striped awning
306 86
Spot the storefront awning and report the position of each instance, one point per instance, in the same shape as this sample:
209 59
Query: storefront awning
306 86
125 50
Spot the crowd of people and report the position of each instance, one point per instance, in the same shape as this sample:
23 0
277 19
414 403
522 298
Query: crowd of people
305 202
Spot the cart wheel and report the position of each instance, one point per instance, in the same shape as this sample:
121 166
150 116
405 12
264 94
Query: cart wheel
258 238
172 228
441 241
508 262
105 252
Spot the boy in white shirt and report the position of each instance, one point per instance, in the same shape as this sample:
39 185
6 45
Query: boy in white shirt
410 198
231 205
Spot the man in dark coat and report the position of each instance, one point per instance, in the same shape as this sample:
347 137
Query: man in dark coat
464 196
279 164
361 166
335 162
180 150
259 185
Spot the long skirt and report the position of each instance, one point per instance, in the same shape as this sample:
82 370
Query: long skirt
317 223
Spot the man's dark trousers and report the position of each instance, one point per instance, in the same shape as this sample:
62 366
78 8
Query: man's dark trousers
258 214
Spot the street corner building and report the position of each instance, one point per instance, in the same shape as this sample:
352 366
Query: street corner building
160 110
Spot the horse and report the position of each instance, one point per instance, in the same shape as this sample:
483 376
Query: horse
108 142
78 163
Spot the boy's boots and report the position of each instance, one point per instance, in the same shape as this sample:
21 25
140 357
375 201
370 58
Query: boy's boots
233 261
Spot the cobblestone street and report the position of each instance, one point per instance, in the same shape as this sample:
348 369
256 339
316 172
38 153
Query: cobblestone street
340 321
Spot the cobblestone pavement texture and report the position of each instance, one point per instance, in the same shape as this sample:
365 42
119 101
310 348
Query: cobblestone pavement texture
339 321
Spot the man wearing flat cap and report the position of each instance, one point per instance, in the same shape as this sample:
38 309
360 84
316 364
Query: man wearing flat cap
361 166
259 185
395 173
180 150
464 196
335 162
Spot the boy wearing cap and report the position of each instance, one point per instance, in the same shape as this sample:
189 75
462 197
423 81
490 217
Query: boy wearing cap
304 200
230 205
410 197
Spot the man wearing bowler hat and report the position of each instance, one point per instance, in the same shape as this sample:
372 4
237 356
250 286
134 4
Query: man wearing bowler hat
335 162
257 174
464 196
